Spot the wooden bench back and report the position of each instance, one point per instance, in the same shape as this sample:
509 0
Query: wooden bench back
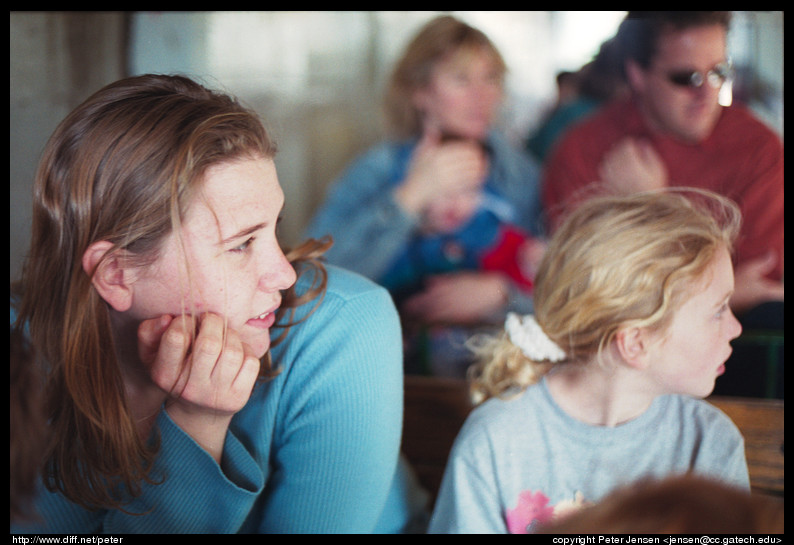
761 424
435 409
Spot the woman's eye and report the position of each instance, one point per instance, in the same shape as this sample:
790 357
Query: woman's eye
243 247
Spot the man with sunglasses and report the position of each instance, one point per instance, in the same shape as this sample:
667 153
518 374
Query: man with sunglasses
673 131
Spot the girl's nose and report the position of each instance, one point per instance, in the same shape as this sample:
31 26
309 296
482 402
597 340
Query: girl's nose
735 328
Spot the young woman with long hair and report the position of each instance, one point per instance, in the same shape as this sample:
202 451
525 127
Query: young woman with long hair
199 378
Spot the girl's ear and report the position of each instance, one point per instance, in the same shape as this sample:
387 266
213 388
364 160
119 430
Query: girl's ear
109 275
632 345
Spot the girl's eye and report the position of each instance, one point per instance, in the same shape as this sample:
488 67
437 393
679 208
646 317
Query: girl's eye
722 310
243 247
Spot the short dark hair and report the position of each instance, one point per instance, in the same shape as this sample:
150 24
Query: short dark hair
638 34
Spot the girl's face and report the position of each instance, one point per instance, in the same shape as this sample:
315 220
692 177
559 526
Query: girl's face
693 351
235 267
463 95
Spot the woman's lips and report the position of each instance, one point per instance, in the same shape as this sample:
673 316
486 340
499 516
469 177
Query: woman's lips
264 320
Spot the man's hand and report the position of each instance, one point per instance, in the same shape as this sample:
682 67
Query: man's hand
752 287
632 166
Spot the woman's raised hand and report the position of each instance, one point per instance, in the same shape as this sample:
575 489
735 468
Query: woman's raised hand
207 380
438 168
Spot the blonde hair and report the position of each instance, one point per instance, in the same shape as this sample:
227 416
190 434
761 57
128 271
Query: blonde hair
616 261
124 166
441 37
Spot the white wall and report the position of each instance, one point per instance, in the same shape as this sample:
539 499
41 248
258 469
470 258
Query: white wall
315 77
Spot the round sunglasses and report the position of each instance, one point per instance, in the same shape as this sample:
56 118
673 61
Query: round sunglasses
694 79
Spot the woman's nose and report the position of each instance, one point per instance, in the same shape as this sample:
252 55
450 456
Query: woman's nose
279 274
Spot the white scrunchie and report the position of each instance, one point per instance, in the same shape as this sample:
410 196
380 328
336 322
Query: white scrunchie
526 334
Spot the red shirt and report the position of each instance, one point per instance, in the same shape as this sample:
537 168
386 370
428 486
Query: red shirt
742 159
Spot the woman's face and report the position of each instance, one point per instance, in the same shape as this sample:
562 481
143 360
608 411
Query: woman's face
228 243
463 94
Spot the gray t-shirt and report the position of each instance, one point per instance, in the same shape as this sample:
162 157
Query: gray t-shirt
520 461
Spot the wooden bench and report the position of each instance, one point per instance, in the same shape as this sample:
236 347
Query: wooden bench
761 424
435 409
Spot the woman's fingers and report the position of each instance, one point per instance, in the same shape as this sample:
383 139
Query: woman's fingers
215 371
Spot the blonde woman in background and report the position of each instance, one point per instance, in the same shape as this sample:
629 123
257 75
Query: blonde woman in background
442 107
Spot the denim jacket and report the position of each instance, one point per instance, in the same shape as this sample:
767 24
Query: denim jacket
369 228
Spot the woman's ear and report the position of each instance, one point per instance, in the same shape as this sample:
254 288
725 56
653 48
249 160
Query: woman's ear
109 275
632 345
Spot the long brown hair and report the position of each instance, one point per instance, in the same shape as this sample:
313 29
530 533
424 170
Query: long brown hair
122 167
28 427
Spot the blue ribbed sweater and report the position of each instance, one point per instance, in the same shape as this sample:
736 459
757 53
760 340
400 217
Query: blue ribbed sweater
314 450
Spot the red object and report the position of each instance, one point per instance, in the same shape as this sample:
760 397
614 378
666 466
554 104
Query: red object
742 159
505 258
